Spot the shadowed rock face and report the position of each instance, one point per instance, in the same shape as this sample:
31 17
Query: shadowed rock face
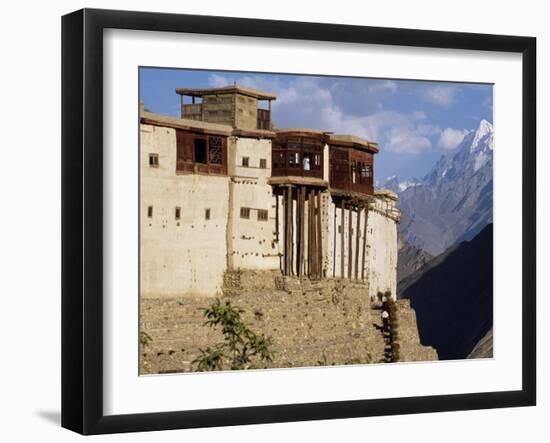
409 259
455 200
453 296
484 347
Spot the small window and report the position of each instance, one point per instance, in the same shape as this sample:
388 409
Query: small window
263 163
149 211
154 160
245 212
177 213
246 161
207 214
262 214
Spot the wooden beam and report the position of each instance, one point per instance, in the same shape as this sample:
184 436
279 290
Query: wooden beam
291 239
357 231
365 242
288 230
302 227
342 229
319 238
285 228
334 232
350 241
309 236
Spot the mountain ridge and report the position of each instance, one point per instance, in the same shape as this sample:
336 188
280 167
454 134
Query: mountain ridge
454 201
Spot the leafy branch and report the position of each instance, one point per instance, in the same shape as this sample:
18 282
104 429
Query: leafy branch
241 348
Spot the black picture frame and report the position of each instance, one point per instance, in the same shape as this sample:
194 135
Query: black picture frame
82 219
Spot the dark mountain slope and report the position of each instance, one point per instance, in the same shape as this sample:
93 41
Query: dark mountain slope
410 259
453 296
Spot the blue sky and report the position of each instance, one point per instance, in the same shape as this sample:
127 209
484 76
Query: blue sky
415 122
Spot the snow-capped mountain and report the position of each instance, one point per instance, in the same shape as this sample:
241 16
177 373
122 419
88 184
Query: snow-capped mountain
393 184
454 201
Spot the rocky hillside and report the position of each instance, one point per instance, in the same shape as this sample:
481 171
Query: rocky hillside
484 347
454 201
452 295
409 259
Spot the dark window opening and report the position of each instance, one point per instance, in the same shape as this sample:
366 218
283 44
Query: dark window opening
197 153
200 150
177 213
262 214
263 163
245 212
150 211
153 160
246 161
207 214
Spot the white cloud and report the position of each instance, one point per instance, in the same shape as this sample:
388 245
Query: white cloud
308 102
450 138
441 95
387 86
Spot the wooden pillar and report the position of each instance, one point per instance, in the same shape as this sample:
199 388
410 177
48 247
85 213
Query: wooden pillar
319 238
365 242
342 229
334 232
350 239
309 235
288 231
285 249
291 238
357 230
302 193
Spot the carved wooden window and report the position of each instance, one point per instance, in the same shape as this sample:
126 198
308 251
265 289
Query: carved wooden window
215 150
245 212
200 153
299 156
262 214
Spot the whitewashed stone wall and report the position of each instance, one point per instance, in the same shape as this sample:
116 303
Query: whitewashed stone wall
381 266
177 256
251 242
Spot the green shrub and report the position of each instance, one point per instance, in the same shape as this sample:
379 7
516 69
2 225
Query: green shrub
241 348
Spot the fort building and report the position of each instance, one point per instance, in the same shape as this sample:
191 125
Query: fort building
224 191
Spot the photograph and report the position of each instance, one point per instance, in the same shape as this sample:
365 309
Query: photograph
297 221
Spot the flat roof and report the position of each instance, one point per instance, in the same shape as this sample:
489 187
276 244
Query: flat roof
300 130
184 123
353 141
233 89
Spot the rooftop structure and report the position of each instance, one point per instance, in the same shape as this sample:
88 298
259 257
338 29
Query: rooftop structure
236 106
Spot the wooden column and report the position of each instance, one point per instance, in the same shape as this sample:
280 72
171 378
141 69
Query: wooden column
301 204
334 232
319 238
288 231
350 241
365 242
310 234
285 249
342 229
357 231
291 239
